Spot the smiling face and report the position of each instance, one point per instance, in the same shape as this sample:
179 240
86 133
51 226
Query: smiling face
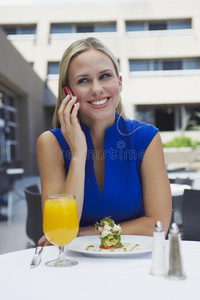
93 79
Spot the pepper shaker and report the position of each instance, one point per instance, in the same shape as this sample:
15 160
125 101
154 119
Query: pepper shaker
158 256
175 257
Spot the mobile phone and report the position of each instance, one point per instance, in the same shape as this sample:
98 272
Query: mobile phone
68 91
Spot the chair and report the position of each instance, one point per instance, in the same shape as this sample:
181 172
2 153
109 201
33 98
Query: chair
34 222
191 215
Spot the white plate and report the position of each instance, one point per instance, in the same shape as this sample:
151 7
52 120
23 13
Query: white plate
133 245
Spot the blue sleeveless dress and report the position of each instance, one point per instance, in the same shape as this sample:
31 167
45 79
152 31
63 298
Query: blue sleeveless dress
124 146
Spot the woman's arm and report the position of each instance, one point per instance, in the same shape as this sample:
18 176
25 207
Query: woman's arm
156 192
54 179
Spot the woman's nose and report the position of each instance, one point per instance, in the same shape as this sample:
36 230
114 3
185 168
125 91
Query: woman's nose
96 88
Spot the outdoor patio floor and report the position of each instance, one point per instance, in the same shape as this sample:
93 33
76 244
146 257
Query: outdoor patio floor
13 237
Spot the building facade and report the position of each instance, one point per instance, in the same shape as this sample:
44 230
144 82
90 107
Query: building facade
157 44
22 117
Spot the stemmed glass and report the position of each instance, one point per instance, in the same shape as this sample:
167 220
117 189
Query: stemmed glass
60 225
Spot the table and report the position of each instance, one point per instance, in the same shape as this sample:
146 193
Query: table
15 171
177 191
195 176
96 278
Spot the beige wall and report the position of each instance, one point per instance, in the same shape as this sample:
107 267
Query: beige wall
18 77
138 88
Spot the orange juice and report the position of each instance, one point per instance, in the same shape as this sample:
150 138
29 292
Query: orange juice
60 222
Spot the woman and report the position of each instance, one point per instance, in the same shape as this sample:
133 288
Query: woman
113 165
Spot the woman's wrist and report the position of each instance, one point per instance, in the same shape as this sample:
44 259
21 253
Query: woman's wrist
89 230
79 157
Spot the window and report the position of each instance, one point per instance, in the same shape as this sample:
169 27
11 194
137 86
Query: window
139 66
164 65
8 128
158 25
179 25
169 117
106 27
61 28
172 65
134 26
191 64
53 68
83 27
193 114
20 29
162 117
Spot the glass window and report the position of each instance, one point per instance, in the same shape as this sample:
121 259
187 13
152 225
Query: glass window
20 29
8 128
165 65
27 30
157 65
61 28
84 28
191 64
132 26
162 117
172 65
139 66
105 28
185 24
10 30
194 118
158 26
53 68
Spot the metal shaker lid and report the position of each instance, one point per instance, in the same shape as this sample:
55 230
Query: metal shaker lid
158 227
174 228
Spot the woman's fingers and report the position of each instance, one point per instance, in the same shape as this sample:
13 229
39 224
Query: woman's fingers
43 241
66 109
74 114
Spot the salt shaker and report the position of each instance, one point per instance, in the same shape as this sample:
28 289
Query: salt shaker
158 256
175 257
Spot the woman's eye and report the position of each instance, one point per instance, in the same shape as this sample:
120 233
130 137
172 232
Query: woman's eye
104 76
83 80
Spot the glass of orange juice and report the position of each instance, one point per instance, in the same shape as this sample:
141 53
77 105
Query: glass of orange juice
60 225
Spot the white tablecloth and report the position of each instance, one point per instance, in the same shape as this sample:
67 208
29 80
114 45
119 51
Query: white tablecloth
96 278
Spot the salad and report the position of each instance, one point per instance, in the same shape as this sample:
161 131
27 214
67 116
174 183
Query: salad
109 233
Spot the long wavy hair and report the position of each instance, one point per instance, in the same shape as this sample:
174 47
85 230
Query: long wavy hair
72 51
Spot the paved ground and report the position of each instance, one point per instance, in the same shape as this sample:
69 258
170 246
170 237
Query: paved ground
13 237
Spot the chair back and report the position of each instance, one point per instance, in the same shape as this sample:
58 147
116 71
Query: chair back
191 215
187 181
34 222
5 184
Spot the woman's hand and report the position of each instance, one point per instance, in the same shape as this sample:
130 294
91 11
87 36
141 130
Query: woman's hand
70 126
43 241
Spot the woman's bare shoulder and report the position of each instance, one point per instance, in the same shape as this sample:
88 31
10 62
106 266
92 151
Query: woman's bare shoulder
47 137
47 142
48 147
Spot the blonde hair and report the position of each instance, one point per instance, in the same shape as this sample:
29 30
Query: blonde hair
72 51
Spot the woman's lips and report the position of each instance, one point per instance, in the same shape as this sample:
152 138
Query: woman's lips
99 102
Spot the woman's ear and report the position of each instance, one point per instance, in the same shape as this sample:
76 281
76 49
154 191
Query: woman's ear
120 82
